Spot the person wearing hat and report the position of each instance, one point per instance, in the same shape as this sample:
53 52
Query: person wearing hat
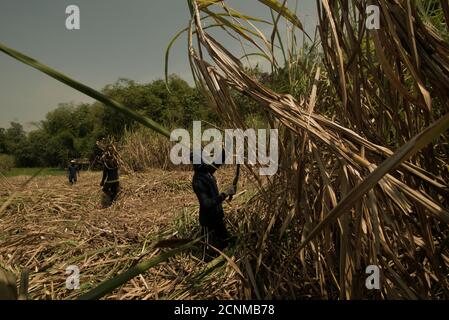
211 215
73 172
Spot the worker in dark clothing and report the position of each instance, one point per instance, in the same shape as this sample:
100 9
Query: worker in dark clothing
110 180
73 172
211 210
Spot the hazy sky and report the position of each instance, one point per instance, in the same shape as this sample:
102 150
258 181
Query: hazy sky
118 38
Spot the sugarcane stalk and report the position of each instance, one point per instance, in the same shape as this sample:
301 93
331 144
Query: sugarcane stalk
110 285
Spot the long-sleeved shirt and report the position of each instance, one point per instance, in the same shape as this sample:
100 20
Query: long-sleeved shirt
110 175
206 190
73 170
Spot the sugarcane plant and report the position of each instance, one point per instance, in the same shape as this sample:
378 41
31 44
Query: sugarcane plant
364 145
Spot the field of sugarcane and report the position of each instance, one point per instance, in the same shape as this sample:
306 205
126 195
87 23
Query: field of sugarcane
364 162
51 225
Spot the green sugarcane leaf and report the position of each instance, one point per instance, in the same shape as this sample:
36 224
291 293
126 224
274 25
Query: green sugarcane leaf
86 90
285 12
111 284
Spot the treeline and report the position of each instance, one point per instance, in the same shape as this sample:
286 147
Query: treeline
71 131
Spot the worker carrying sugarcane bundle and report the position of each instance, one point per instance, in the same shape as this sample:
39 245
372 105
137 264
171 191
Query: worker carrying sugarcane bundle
110 180
211 215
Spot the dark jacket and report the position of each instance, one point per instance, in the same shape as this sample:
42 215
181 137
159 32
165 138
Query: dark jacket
206 190
73 170
110 174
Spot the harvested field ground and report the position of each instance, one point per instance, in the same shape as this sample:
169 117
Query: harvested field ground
51 225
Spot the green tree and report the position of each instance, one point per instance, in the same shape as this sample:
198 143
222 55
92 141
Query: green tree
15 136
71 130
3 141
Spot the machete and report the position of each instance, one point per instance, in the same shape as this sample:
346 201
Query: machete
236 180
